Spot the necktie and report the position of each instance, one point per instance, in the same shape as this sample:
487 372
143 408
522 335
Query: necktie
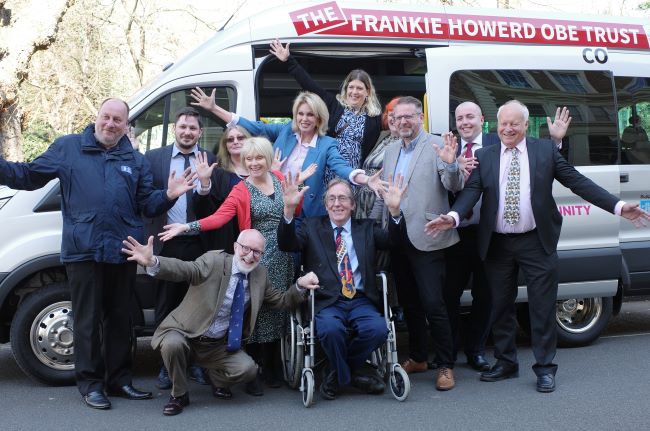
468 150
236 315
467 155
511 209
189 209
343 260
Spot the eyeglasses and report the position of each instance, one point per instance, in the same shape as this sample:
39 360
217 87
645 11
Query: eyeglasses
342 199
232 139
408 117
246 249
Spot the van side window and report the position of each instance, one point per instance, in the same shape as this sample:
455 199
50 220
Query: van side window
154 127
633 95
592 138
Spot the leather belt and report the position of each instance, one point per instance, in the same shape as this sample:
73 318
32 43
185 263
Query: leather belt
515 235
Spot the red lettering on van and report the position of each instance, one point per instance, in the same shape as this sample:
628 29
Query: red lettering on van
318 18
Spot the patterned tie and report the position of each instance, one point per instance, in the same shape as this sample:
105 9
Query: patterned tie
236 315
345 271
511 209
189 209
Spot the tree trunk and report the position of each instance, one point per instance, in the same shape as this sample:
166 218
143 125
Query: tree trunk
26 26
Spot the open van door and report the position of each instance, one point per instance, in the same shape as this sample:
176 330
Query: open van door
544 78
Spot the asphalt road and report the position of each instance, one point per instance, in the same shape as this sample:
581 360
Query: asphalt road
601 387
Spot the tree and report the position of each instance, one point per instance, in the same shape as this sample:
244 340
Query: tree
26 26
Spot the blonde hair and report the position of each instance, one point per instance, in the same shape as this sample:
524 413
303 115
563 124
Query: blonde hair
317 105
258 145
223 156
371 105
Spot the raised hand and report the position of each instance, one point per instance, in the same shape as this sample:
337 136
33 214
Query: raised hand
292 194
304 175
202 100
393 196
172 230
203 168
557 129
635 214
138 253
440 224
177 186
281 52
466 165
376 184
278 161
448 151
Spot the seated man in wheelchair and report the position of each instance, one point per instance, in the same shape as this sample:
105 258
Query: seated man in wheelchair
341 252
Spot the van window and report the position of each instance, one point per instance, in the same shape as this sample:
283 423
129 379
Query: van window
592 138
633 95
154 127
399 74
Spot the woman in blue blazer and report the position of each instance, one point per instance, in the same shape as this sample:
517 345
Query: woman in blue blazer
302 142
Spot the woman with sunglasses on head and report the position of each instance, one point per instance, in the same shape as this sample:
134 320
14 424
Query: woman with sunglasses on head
258 203
298 145
355 112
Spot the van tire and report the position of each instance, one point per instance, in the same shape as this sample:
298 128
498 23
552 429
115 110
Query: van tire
580 321
46 312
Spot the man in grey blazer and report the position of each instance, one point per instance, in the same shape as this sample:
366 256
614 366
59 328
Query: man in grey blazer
205 326
430 171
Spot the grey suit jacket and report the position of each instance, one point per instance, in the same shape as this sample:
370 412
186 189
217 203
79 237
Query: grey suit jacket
429 181
209 276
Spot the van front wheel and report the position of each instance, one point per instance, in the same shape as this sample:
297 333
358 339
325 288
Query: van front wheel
42 335
580 321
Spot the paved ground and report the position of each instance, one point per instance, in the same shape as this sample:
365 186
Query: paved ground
600 387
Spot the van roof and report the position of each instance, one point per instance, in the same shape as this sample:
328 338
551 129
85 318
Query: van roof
335 22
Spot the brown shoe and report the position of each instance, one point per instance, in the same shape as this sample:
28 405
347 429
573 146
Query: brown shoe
411 366
445 380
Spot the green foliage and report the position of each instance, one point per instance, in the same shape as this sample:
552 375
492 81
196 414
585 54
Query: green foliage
36 138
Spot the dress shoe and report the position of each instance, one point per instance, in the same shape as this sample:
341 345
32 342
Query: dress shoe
97 400
164 382
221 393
445 380
131 393
175 404
196 373
254 387
500 372
545 383
368 384
330 386
478 362
411 366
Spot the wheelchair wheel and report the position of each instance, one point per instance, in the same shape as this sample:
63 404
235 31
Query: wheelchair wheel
292 354
378 360
307 387
400 385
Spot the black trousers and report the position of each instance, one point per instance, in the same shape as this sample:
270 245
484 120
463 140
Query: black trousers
506 255
169 294
101 303
420 278
463 264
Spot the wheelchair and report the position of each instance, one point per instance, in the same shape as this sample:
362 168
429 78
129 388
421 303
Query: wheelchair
298 349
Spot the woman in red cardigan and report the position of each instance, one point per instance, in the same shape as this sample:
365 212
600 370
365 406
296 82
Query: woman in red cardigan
258 203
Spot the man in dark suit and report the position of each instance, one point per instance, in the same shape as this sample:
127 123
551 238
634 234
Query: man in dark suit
341 252
184 153
462 259
519 229
216 315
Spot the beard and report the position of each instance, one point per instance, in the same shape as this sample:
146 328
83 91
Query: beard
245 267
